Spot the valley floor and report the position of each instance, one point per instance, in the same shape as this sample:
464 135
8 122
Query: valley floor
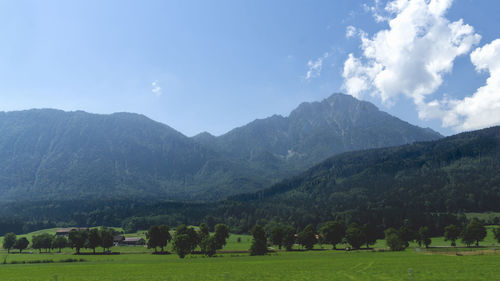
434 264
439 262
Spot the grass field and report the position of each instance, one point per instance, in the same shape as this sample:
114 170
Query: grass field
137 263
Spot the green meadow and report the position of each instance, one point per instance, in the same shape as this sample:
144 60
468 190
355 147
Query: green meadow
137 263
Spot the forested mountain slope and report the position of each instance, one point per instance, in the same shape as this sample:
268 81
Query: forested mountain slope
52 154
425 183
456 174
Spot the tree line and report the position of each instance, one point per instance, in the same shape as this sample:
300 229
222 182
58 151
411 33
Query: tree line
185 239
77 239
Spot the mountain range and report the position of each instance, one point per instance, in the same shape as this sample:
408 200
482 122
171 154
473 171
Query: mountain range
48 154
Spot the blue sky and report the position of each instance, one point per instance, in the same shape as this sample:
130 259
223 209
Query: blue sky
216 65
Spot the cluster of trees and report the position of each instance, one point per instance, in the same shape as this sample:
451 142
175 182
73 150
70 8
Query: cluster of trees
186 239
10 241
399 239
77 239
336 232
331 232
48 242
471 233
91 239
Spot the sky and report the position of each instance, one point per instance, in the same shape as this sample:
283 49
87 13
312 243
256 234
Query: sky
216 65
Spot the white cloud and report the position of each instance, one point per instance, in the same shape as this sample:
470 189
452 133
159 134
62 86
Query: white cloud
480 110
314 67
156 89
375 10
350 31
411 57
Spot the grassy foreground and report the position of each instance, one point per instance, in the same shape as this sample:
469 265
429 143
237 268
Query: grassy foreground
137 263
312 265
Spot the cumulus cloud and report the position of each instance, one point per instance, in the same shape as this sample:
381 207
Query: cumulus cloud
411 57
156 89
314 67
480 110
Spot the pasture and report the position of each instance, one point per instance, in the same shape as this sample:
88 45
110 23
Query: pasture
137 263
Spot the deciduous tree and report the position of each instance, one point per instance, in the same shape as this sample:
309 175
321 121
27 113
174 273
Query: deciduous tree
77 239
288 237
307 238
21 244
107 238
424 236
221 235
473 232
9 240
451 233
333 232
59 242
259 242
394 240
354 236
182 245
94 239
277 235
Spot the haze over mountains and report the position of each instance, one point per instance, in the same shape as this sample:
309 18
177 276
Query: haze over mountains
52 154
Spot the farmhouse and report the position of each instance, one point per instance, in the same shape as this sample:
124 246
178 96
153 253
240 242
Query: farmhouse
133 241
118 239
66 231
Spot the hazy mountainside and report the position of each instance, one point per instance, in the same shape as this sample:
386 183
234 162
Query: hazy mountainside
57 154
313 132
425 183
454 174
52 154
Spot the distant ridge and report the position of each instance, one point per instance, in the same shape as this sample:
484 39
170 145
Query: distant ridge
50 154
315 131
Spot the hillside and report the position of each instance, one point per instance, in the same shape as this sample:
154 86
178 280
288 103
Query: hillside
452 175
315 131
50 154
47 154
425 183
